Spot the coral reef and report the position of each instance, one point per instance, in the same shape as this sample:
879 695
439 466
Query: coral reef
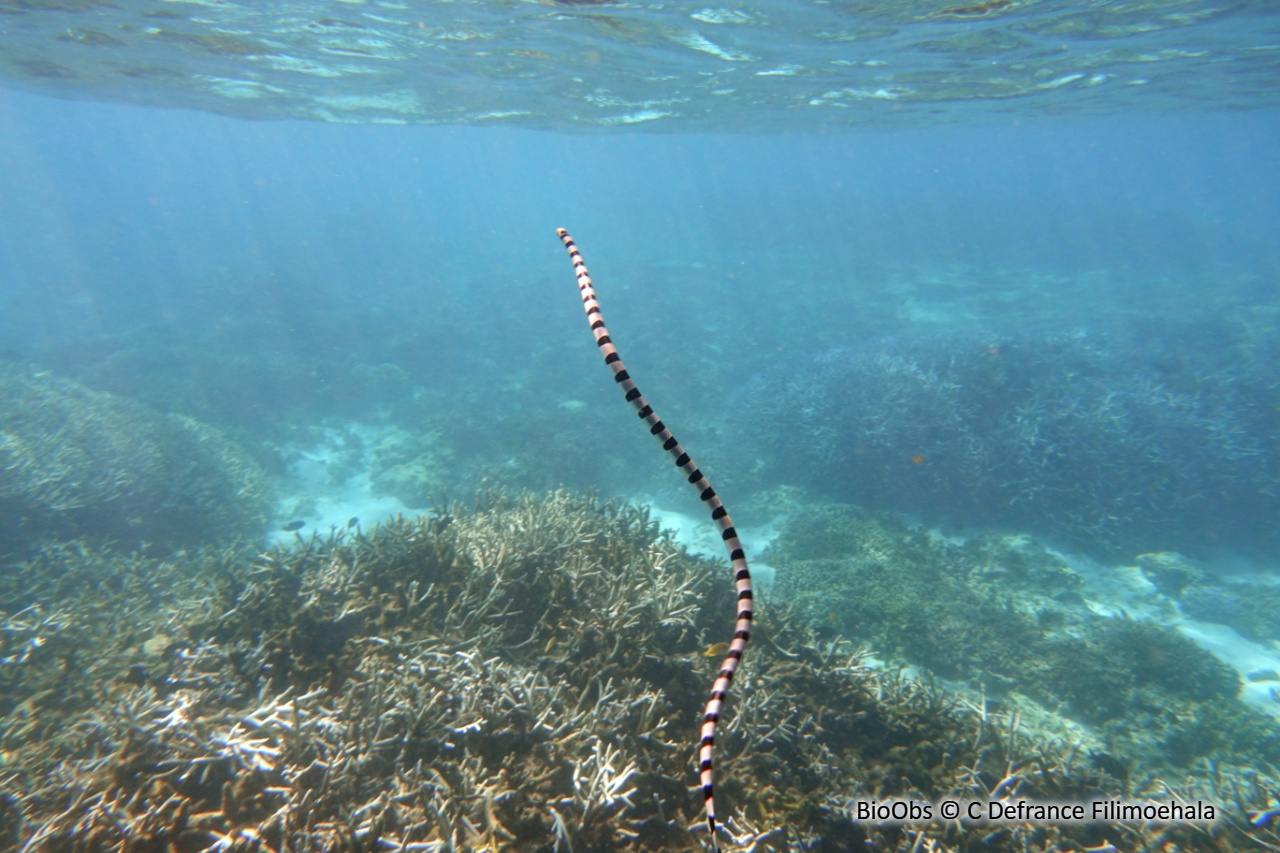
1170 571
1246 603
518 675
505 443
1104 447
1248 608
411 466
252 363
1008 616
76 462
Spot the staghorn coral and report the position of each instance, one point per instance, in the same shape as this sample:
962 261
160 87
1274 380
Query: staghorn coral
1005 614
76 462
510 676
1112 448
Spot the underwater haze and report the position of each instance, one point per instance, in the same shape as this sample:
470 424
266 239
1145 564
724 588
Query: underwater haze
268 276
971 312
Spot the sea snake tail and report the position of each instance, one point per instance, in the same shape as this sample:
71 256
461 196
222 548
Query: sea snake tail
741 574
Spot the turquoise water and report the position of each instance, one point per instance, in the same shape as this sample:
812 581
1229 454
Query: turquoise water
267 276
1006 270
758 67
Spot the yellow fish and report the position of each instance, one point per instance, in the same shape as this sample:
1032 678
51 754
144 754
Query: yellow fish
715 650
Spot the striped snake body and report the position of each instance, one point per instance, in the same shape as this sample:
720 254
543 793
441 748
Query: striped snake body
741 574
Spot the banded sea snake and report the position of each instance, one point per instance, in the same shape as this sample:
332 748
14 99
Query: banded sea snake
741 574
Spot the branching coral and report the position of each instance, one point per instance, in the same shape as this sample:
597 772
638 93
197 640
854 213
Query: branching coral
1007 615
1097 445
513 676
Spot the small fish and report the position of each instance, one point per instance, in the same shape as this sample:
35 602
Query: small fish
917 459
352 521
715 650
294 525
829 626
550 644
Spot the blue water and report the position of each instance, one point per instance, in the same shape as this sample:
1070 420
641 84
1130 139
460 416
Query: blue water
112 216
675 66
268 277
1007 319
